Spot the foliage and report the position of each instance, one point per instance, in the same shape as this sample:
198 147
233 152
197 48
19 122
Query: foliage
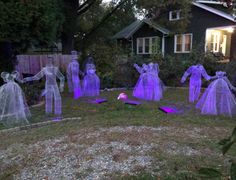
159 9
104 55
231 73
27 22
32 92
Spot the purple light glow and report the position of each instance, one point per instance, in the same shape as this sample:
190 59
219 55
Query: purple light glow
122 96
169 110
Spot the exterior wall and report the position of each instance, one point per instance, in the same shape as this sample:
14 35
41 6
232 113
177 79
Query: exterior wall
233 46
199 22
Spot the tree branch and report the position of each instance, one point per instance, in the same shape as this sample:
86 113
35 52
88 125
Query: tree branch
85 6
104 19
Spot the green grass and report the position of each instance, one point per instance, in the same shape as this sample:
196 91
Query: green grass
115 113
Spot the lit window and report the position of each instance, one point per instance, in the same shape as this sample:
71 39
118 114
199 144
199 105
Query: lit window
148 45
174 15
183 43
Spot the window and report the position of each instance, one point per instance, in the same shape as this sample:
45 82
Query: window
215 41
183 43
174 15
148 45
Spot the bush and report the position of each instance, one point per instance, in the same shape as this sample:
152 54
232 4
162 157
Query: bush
32 91
231 72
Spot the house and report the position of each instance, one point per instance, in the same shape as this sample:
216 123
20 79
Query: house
210 26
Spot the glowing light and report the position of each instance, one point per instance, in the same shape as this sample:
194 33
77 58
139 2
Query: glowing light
230 29
122 96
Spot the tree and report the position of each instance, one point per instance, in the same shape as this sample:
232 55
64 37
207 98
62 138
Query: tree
158 11
30 22
24 23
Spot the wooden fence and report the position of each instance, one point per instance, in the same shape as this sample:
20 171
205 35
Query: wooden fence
31 64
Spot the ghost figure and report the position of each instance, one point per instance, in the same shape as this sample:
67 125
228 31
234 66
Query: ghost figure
91 82
196 72
51 89
218 98
143 86
73 76
13 107
156 92
149 86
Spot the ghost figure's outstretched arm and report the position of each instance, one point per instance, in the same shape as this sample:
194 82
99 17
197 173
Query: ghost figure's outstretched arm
62 79
139 69
186 74
205 75
229 84
36 77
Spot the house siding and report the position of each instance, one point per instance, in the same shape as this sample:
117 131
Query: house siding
200 20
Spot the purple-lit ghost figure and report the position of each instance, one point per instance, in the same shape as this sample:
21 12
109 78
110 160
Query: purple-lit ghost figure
149 86
218 98
51 89
91 82
143 85
157 89
196 72
73 76
13 107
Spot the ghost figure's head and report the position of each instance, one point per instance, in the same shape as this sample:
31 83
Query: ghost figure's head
90 68
145 67
122 96
220 74
74 55
7 77
50 60
151 65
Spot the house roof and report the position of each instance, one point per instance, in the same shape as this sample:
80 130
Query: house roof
128 31
215 11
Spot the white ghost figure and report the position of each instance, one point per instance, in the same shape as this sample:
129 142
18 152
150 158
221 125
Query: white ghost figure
218 98
73 76
13 107
196 72
51 89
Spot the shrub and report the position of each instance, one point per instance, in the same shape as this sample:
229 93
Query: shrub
32 91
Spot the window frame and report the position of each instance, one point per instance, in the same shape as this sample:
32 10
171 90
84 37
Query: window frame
178 15
183 43
150 46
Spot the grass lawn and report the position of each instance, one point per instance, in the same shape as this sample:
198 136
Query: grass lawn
118 141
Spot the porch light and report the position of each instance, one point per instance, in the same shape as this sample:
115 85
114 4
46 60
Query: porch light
230 29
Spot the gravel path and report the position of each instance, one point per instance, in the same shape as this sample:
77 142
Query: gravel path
102 153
